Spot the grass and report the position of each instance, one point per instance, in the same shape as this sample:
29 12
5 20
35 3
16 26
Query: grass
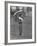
26 29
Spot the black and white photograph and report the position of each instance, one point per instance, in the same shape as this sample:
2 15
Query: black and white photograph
20 22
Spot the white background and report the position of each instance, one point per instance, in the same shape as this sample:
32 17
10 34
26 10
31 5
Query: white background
2 23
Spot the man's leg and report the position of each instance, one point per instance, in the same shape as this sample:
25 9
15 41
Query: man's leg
20 28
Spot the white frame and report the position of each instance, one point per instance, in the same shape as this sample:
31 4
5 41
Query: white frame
24 40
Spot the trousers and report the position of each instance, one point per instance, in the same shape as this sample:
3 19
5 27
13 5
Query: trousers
20 28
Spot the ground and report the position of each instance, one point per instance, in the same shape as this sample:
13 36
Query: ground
26 29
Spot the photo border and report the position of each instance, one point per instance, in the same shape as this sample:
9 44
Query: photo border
6 22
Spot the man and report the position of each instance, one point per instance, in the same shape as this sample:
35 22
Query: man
19 17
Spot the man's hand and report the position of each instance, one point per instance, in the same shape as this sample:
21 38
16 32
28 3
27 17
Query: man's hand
21 18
